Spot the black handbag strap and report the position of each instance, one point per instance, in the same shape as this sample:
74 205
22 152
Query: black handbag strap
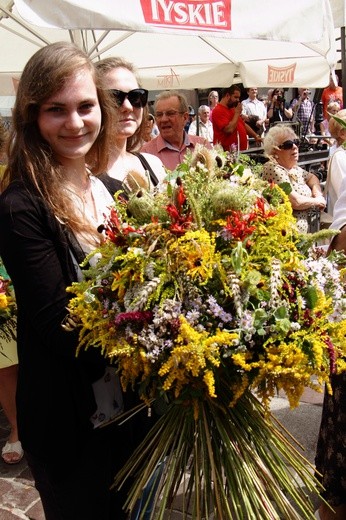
147 167
112 185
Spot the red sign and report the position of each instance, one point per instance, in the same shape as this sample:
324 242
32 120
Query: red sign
281 75
191 14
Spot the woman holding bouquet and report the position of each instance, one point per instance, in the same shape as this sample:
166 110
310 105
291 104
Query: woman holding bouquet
50 210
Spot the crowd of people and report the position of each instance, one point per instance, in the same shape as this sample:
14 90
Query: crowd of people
79 134
244 122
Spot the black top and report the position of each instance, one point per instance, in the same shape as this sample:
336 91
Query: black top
279 112
114 185
54 395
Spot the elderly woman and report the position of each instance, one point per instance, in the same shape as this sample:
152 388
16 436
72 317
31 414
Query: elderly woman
213 99
281 147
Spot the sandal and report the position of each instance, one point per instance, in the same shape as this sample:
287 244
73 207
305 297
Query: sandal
12 448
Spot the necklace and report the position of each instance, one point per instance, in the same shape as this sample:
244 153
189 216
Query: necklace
86 190
83 190
87 197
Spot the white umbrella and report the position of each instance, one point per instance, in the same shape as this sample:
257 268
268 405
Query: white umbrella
184 44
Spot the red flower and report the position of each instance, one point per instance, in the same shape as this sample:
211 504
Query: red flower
239 226
133 317
180 223
181 198
261 211
332 356
116 231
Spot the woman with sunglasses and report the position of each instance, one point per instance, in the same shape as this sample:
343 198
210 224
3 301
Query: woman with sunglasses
281 147
126 166
151 129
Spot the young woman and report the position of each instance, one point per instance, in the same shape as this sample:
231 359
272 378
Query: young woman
125 162
63 122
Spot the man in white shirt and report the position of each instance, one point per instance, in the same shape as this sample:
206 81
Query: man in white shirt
254 112
205 126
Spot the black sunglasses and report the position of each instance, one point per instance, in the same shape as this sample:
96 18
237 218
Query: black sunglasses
138 97
287 145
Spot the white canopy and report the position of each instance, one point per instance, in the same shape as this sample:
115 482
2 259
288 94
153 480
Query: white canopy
338 12
182 44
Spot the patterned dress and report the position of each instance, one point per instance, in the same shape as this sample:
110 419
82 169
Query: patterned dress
296 177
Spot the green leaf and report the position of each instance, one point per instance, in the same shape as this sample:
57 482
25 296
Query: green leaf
237 256
260 316
311 296
283 325
286 187
281 313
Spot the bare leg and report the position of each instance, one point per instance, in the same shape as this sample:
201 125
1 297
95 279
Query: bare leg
8 384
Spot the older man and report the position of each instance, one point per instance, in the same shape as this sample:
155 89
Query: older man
205 126
230 130
171 114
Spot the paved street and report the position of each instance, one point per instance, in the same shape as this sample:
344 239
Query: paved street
19 499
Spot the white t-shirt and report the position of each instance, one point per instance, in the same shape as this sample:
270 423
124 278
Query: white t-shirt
336 175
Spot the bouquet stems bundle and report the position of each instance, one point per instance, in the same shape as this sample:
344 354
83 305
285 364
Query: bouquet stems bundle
232 463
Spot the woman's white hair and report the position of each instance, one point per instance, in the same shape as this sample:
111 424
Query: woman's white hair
276 135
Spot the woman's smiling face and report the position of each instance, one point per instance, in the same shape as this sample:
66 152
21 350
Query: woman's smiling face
70 120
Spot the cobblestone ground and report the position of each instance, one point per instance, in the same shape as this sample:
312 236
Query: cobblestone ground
18 497
20 500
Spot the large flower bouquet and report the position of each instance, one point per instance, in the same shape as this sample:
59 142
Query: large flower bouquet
209 301
8 308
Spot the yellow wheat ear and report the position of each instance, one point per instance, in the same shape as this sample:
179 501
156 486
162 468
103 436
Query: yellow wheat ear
135 180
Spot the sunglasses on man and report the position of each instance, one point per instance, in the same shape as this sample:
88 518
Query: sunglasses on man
288 145
138 97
